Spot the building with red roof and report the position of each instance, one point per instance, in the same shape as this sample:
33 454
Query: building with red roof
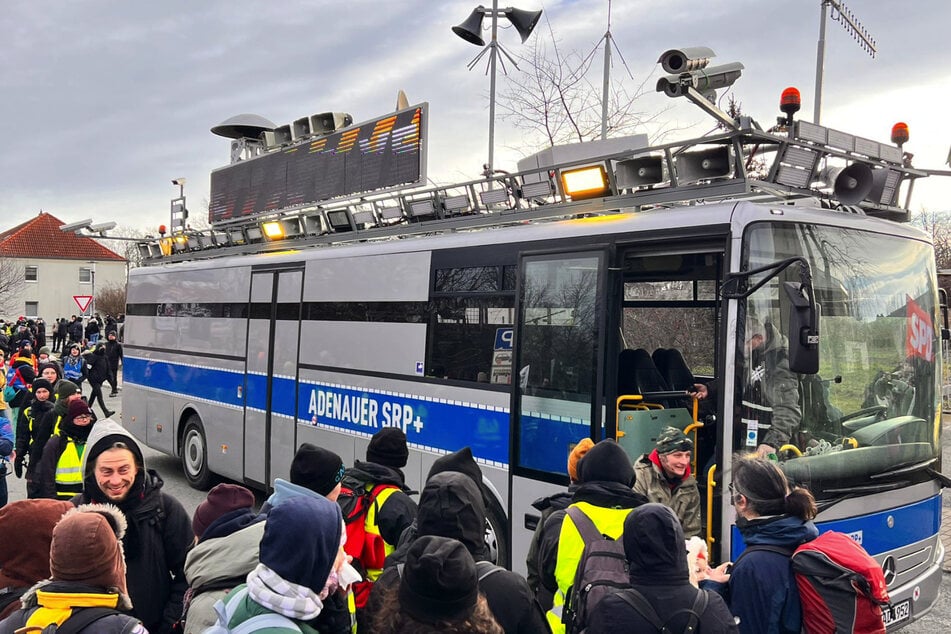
43 268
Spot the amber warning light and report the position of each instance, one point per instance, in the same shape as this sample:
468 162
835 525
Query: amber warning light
900 133
789 103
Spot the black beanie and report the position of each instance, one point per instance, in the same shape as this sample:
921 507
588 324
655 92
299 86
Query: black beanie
439 581
42 384
316 468
607 462
65 389
388 448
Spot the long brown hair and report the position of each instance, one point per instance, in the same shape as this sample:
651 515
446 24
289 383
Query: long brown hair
389 619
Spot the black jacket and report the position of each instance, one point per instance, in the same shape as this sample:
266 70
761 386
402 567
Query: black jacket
98 366
158 538
452 506
113 353
655 551
399 510
547 506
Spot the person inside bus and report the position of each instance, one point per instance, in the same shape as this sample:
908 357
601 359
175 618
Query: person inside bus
761 590
769 409
664 476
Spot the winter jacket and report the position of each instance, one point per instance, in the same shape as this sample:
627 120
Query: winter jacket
55 595
113 353
75 330
683 496
21 374
6 437
98 372
216 565
611 498
771 396
547 506
28 430
762 589
74 368
248 608
655 552
44 476
156 542
451 505
399 510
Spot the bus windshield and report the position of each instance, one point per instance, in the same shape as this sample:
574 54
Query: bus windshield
868 420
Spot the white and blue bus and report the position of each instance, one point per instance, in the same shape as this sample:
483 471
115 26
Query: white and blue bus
517 314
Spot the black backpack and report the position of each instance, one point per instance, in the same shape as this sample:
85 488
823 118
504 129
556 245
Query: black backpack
637 601
77 620
602 569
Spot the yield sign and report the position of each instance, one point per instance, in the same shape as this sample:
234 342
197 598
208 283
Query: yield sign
83 301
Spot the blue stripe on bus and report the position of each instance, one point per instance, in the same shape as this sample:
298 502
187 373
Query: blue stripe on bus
445 426
910 523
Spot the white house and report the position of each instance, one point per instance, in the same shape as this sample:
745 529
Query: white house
56 267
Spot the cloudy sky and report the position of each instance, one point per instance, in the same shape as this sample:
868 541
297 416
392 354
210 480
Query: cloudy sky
105 101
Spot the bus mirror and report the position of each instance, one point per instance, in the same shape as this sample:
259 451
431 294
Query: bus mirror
803 332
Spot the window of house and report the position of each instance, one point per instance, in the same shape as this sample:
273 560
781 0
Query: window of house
85 275
31 273
32 309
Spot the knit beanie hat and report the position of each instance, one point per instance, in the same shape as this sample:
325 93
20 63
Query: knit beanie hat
87 547
77 408
65 389
26 528
316 468
672 439
45 350
42 384
606 462
388 448
301 540
223 498
577 453
439 581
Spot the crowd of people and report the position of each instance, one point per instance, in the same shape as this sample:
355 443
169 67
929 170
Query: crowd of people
123 554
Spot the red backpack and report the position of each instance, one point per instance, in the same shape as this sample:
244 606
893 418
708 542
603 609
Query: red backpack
367 549
841 588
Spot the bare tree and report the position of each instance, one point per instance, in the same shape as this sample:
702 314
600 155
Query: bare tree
554 100
12 281
111 299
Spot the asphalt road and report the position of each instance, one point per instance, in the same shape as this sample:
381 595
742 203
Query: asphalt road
938 620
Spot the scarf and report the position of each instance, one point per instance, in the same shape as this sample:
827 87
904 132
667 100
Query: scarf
294 601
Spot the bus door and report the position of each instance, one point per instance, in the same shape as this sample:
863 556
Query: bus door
271 373
556 382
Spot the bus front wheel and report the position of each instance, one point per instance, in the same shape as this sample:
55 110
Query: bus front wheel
195 454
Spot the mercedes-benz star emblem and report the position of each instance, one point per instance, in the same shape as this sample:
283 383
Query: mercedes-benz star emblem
888 568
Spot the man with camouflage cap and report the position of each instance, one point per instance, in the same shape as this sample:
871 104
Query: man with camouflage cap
664 476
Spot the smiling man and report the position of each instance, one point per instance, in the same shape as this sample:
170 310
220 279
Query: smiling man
159 533
663 476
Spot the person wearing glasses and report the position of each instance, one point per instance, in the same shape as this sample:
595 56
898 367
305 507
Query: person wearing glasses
761 589
59 473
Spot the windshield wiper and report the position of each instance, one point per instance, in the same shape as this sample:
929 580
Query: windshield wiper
903 469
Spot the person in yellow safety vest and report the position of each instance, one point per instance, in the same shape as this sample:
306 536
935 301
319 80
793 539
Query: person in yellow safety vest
87 588
59 474
606 496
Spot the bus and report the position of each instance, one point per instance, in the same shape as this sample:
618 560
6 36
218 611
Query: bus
581 297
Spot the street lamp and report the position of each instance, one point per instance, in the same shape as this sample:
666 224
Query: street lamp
470 30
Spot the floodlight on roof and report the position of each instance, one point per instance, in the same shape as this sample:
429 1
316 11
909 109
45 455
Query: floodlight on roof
76 226
586 182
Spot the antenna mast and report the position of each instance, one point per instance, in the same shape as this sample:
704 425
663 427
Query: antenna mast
844 16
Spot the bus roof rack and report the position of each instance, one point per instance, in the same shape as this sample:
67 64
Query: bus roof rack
795 161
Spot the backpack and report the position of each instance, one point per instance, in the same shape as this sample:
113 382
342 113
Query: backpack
602 569
78 619
841 587
367 549
639 602
225 612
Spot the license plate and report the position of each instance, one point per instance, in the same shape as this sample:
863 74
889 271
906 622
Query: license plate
896 613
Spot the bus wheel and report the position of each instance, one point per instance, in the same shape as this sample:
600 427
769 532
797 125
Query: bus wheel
496 533
195 454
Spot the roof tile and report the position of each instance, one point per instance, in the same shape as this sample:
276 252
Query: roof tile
41 237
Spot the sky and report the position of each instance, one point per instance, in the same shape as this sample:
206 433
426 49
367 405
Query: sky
104 102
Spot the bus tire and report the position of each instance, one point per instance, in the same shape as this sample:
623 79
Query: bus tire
195 454
496 533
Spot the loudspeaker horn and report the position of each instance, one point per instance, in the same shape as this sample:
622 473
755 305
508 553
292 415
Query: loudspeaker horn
523 21
638 172
850 185
402 103
471 29
702 165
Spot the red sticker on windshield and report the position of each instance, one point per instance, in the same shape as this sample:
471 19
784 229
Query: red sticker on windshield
919 340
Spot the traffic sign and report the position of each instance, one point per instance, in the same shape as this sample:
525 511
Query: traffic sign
83 301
